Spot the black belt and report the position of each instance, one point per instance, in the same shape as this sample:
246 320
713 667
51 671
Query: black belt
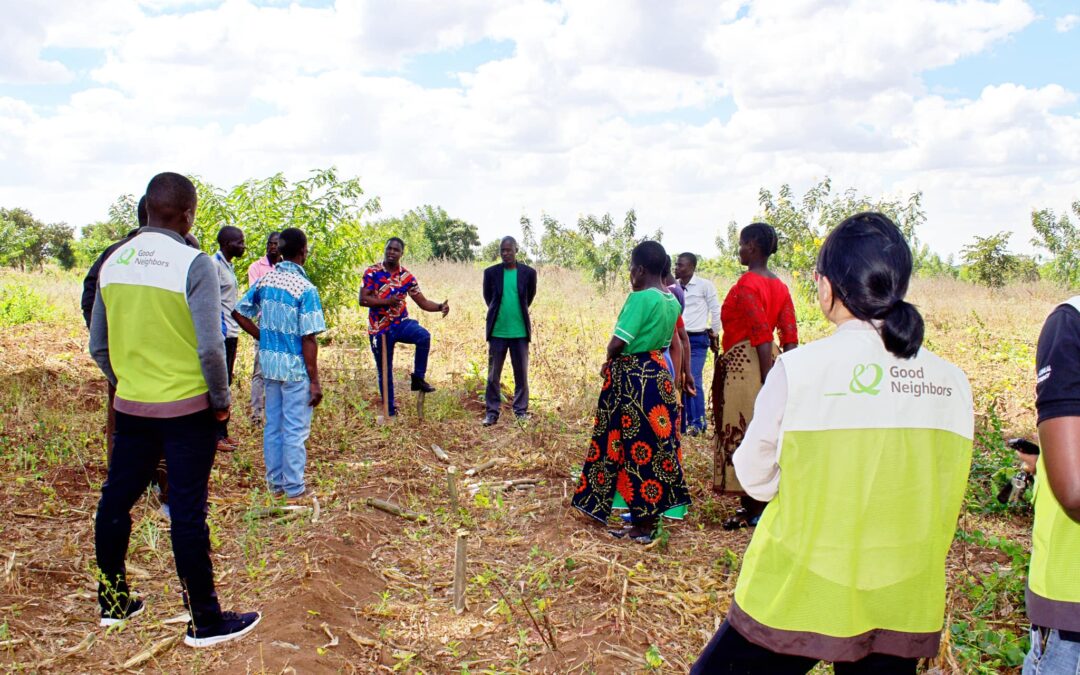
697 332
1066 635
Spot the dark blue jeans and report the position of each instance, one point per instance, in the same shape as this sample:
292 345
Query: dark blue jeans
408 332
189 444
694 406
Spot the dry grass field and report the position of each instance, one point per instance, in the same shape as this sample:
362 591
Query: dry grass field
354 589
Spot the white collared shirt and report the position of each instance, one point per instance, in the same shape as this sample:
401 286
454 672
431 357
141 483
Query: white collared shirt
702 306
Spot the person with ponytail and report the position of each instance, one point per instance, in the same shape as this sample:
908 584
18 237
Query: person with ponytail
755 309
861 445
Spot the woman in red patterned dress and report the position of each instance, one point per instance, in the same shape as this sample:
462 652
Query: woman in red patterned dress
756 307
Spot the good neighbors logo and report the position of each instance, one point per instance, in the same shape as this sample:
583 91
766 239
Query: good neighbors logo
866 380
139 257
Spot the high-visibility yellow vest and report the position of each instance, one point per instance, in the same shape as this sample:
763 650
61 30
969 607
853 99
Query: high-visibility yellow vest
152 343
849 557
1053 592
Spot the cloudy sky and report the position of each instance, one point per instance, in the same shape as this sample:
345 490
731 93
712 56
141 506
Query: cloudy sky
492 109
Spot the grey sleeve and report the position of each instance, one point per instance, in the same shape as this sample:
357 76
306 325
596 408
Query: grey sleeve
99 338
204 301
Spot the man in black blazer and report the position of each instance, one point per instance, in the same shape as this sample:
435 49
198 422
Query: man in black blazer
509 289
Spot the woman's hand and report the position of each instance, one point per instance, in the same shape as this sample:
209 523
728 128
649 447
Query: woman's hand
605 370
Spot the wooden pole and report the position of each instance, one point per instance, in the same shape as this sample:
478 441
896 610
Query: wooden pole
459 572
451 485
385 381
420 405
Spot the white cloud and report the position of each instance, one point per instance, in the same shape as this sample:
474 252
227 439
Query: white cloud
233 90
1066 23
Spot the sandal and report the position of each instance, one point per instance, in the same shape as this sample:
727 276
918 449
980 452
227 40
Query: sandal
621 533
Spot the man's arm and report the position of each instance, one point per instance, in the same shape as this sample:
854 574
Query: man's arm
713 301
310 347
1057 402
204 301
1059 438
99 338
429 306
246 324
369 298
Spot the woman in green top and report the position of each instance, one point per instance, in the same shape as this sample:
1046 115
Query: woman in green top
635 442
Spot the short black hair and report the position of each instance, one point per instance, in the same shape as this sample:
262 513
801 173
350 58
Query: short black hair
398 240
651 256
291 242
140 212
168 195
763 235
510 239
686 255
228 233
271 236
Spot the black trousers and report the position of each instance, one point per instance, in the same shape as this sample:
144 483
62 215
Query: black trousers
230 360
730 652
189 445
519 361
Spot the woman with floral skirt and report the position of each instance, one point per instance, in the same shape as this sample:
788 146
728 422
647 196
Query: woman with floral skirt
635 445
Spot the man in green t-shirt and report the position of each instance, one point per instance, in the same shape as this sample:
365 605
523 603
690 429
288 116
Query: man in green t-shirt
509 289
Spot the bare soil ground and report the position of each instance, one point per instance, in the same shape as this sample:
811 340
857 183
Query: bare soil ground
357 589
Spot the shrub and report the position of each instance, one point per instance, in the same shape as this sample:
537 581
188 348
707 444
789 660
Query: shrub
19 304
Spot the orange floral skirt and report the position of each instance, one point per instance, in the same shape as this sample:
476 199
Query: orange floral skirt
635 445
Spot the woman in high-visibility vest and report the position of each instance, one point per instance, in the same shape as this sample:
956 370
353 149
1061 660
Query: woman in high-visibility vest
861 444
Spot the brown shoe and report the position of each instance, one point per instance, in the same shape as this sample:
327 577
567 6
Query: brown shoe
227 445
302 498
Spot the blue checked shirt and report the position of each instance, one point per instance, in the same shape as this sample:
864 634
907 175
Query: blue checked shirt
288 307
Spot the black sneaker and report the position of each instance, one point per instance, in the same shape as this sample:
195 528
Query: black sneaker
231 626
490 420
116 615
419 384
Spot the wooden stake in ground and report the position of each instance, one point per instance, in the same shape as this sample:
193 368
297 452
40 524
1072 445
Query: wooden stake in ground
420 405
385 381
459 572
451 486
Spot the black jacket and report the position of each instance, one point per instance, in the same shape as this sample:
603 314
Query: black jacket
91 281
493 293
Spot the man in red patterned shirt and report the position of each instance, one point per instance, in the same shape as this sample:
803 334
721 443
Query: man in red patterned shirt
386 288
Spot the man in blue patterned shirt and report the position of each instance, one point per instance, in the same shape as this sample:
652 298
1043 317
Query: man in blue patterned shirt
290 316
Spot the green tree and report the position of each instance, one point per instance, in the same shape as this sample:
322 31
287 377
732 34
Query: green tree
28 242
329 209
96 237
803 223
598 245
989 261
1061 237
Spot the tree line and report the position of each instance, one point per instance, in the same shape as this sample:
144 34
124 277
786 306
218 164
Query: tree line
346 233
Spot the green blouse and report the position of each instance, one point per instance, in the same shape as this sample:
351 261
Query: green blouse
647 320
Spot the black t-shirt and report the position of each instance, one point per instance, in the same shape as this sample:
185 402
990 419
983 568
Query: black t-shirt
1057 364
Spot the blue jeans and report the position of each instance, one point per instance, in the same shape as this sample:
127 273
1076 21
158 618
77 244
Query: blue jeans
408 332
1057 657
694 406
288 425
